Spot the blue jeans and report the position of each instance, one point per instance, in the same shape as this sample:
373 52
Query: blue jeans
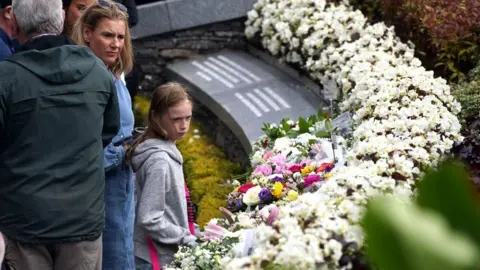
141 264
118 251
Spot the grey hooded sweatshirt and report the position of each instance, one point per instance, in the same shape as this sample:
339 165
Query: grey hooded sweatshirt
161 203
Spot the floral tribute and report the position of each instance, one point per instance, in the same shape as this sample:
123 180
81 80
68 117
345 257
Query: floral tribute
403 121
278 178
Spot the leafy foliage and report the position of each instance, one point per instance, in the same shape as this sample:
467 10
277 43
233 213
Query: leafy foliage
468 94
451 26
288 127
438 231
140 110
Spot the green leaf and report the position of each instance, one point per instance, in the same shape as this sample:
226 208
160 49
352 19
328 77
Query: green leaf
286 126
322 134
448 191
453 76
303 125
321 115
293 133
404 236
328 125
265 128
451 66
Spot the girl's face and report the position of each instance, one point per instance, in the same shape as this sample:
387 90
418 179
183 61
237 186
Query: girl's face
107 39
176 121
75 10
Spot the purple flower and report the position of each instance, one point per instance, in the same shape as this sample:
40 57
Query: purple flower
277 179
238 205
265 194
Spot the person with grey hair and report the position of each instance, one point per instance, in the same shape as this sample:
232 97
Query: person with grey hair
8 29
58 110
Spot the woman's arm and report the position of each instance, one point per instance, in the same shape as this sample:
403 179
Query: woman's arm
111 117
152 205
113 156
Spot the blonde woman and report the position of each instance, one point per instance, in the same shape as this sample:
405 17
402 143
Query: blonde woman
103 27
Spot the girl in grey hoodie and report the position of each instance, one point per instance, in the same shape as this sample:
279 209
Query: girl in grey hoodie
161 220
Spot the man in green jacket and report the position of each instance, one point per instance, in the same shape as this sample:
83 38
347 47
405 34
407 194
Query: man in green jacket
58 110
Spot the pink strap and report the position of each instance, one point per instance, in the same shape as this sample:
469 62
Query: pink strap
153 255
191 226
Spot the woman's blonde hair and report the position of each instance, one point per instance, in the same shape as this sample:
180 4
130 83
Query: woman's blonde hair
164 97
91 17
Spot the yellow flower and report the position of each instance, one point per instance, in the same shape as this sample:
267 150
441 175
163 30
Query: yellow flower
277 190
307 169
327 175
236 189
292 195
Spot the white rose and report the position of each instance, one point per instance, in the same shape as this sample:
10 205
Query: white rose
251 198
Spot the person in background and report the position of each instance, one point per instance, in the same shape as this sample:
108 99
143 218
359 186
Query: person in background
103 27
162 222
131 10
58 110
73 11
8 29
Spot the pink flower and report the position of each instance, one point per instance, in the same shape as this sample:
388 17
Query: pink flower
267 155
310 179
274 212
213 232
280 163
278 159
305 162
279 169
266 170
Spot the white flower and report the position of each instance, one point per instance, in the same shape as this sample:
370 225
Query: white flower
282 143
251 197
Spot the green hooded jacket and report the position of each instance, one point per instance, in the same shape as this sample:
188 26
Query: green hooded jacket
58 110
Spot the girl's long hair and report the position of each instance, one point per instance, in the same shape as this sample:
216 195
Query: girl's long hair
90 18
164 97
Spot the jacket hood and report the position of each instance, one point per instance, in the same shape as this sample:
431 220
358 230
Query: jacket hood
154 146
55 62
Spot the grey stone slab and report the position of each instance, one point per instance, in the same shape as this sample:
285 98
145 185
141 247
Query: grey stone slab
248 4
191 13
154 19
244 92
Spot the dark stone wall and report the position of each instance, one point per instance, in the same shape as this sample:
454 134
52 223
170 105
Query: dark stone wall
152 54
221 135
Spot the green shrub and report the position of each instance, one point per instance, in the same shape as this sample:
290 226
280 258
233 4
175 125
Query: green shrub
467 93
141 106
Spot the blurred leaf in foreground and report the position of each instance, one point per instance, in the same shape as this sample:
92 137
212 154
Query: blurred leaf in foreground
403 236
